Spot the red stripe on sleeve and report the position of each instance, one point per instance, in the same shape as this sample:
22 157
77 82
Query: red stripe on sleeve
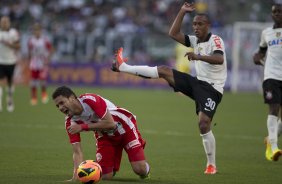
73 138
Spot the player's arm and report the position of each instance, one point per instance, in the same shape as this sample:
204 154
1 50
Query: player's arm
175 31
258 56
14 45
77 159
51 50
215 59
105 124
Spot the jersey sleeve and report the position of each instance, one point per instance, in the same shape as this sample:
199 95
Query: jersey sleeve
48 44
190 41
15 35
97 104
217 45
73 138
263 43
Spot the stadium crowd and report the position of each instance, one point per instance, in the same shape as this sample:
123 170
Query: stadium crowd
106 22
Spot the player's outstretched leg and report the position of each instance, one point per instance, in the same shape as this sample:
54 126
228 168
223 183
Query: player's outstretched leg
119 65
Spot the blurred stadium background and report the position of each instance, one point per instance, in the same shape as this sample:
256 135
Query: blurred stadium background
85 34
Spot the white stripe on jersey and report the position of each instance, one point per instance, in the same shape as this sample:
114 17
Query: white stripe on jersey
272 39
124 118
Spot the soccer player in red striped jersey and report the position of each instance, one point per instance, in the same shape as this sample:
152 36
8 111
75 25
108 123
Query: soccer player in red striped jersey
40 51
115 130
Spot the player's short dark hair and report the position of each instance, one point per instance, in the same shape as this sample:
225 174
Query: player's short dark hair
63 91
204 15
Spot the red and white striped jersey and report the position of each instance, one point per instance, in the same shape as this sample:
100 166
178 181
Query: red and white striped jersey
94 109
39 49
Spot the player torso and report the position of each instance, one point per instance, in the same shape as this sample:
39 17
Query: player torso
39 50
272 39
213 74
94 109
8 55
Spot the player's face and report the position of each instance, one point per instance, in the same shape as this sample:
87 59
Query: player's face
200 26
277 13
37 30
5 23
66 105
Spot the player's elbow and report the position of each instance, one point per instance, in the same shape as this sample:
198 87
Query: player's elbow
219 62
172 34
112 126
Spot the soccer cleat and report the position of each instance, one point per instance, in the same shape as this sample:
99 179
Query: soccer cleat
118 60
210 169
33 101
146 177
44 98
268 151
276 154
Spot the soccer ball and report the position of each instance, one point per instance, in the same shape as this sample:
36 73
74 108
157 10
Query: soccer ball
89 172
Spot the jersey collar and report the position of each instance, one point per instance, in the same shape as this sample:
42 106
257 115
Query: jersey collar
207 39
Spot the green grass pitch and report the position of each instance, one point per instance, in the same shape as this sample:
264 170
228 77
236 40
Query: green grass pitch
34 147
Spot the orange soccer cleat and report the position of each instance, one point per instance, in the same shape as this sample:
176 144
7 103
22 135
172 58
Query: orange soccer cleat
210 169
118 60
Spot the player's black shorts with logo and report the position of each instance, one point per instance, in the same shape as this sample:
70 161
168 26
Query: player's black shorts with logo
7 71
272 91
205 96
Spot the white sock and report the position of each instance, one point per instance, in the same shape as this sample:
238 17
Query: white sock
1 95
279 127
209 146
142 71
272 127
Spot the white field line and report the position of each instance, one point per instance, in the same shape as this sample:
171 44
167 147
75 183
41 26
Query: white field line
143 131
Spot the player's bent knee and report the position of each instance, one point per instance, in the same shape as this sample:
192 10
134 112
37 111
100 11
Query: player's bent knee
108 176
164 71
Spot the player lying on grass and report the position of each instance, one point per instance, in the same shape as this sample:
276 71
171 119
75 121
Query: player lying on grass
115 130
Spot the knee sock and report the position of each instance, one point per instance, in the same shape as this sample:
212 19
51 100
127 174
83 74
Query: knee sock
272 127
279 127
142 71
1 96
209 146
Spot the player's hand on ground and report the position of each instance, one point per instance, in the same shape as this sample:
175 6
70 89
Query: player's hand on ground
75 128
191 56
188 7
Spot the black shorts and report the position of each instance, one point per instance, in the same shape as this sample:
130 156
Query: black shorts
205 96
7 71
272 91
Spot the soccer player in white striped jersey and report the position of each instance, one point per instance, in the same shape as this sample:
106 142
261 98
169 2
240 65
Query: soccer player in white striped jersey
271 48
206 89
